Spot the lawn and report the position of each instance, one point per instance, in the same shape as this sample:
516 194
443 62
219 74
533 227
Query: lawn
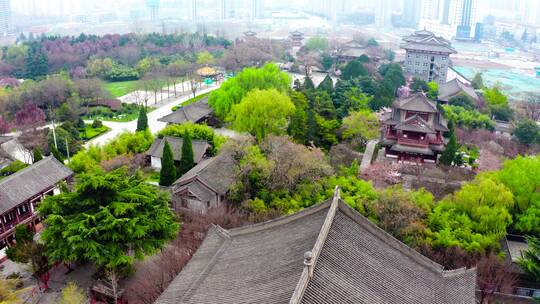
128 112
89 133
119 89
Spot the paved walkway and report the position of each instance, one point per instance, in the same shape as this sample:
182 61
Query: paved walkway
368 154
153 123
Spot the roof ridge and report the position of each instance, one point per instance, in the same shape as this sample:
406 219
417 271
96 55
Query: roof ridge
311 257
391 240
280 220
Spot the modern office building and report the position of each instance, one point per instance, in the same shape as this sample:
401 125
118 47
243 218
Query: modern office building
427 56
5 17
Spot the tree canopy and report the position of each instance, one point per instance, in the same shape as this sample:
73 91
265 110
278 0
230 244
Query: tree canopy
105 218
234 89
167 174
262 112
142 120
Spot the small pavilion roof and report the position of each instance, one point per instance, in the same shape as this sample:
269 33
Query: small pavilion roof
454 88
199 148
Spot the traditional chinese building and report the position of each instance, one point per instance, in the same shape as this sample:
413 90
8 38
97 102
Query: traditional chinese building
197 112
297 39
155 153
413 130
206 185
328 253
455 88
21 193
427 56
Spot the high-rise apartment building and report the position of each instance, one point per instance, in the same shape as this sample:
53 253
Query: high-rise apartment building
153 7
450 18
5 17
412 12
383 13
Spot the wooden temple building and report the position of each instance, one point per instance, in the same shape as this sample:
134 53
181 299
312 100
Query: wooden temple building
21 193
413 130
328 253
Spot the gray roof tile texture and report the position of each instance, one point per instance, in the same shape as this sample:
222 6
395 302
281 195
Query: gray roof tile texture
217 172
30 181
358 263
454 88
199 148
191 113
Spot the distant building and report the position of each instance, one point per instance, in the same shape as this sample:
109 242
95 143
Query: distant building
427 56
5 17
383 13
206 185
21 193
412 12
297 39
451 18
328 253
256 9
223 9
200 147
153 6
514 246
413 131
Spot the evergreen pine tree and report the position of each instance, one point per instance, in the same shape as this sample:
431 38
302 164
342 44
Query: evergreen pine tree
57 154
167 175
37 155
327 85
37 62
142 121
449 154
308 84
187 160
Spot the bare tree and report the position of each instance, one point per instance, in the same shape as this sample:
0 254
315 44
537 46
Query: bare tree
494 275
112 277
531 107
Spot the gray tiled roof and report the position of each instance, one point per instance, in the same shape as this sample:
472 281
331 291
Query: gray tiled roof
30 181
194 112
417 102
218 173
353 261
199 148
428 42
415 123
411 149
454 88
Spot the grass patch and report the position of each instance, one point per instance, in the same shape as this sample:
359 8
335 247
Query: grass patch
89 133
190 101
128 112
121 88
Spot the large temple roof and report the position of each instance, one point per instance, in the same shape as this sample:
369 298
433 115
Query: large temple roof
328 253
426 41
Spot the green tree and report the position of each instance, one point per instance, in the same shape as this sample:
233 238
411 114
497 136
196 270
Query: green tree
530 262
262 112
477 82
234 89
527 132
362 125
498 103
56 154
462 100
26 250
419 85
10 293
37 62
372 42
308 84
205 58
299 121
327 61
37 155
327 85
449 155
354 69
433 90
167 175
475 218
109 219
186 161
142 120
72 294
317 44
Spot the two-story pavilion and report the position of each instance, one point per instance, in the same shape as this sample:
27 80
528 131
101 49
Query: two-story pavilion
413 131
21 192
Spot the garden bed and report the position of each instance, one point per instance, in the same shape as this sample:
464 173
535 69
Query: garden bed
90 132
121 88
128 112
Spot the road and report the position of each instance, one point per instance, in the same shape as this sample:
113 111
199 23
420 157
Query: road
153 123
